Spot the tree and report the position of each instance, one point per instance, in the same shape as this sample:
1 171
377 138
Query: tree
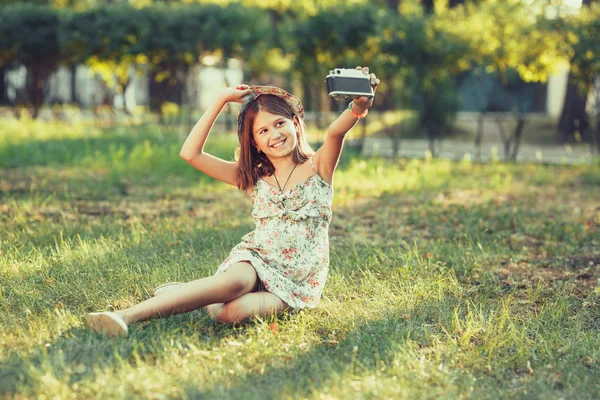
574 122
496 30
29 36
109 54
429 56
584 31
322 42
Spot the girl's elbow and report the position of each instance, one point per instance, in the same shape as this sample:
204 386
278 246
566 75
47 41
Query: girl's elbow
336 133
186 155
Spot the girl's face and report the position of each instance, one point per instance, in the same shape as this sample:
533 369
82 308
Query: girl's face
275 135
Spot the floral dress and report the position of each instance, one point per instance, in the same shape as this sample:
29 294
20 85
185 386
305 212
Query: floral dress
289 249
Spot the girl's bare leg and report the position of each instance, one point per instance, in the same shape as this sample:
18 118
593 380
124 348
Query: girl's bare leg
239 279
255 304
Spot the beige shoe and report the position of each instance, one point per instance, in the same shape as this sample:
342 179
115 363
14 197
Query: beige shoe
108 323
167 287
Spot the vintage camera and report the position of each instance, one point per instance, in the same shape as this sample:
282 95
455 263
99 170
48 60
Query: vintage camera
345 83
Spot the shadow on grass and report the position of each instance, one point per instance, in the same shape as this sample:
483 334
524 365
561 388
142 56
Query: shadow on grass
105 273
368 347
77 354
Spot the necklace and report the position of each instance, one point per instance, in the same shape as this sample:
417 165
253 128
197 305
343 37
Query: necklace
286 181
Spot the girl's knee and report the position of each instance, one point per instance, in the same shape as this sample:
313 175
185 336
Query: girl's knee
241 278
232 313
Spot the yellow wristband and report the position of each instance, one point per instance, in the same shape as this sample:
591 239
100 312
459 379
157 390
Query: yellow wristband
355 114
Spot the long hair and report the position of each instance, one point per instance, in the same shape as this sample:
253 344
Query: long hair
254 165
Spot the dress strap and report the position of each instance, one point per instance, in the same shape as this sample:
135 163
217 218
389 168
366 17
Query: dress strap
312 165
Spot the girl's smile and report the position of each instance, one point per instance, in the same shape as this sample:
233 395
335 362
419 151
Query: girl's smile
278 144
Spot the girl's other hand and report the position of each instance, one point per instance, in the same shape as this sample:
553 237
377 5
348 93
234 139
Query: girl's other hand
235 95
364 102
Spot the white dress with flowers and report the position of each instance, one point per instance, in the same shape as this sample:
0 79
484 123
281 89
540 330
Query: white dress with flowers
290 246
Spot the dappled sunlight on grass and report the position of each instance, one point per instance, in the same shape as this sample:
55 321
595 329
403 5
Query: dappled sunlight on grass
375 177
453 279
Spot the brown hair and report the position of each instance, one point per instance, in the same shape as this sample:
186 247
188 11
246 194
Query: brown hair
252 164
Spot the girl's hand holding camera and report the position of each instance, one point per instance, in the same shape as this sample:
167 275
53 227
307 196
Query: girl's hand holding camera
363 103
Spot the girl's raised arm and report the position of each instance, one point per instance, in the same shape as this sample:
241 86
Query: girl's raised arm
193 148
327 157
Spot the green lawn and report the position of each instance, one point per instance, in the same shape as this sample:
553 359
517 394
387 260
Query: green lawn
448 280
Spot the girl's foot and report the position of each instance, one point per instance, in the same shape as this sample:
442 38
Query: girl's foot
107 322
167 287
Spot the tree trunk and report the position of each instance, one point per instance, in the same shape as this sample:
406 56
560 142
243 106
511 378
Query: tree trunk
276 17
3 94
517 137
596 131
319 109
35 82
387 101
124 107
394 5
228 110
431 143
428 6
431 131
307 94
479 137
595 136
74 99
505 140
364 131
573 117
167 90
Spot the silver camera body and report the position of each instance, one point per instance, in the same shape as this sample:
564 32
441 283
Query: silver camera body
346 83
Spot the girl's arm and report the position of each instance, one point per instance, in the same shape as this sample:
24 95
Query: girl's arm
327 157
193 148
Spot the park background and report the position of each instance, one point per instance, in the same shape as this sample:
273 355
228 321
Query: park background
464 245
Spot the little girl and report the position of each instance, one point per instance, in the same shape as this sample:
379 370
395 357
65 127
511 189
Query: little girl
282 264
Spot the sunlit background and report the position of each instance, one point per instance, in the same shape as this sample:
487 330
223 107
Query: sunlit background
465 240
443 63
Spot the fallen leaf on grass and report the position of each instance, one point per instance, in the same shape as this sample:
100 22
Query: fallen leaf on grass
587 361
273 327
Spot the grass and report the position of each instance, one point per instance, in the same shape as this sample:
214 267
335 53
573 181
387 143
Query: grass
448 280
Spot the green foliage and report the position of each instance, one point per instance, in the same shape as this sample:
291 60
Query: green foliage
107 33
423 53
165 34
29 35
430 56
508 35
334 37
583 33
